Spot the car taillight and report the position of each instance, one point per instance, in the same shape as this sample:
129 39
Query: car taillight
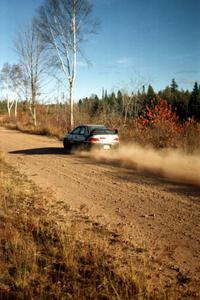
93 140
116 139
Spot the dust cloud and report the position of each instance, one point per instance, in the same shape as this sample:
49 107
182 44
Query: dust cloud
172 164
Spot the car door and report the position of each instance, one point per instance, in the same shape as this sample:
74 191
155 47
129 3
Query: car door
73 136
80 137
77 136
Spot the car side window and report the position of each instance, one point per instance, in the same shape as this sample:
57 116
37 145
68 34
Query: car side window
76 131
82 130
87 131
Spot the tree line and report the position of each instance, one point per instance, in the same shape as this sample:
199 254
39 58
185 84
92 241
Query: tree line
186 104
120 104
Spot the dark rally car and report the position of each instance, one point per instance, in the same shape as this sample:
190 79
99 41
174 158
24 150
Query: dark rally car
91 136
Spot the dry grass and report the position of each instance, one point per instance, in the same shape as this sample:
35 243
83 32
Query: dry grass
41 258
163 133
160 137
38 130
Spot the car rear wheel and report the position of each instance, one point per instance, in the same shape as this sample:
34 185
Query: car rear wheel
67 146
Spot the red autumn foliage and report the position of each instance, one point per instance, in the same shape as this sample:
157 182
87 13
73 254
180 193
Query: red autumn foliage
160 127
159 115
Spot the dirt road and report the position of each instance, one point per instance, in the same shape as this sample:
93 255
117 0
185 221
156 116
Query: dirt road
156 214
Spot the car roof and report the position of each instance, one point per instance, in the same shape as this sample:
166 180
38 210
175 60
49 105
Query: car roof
93 125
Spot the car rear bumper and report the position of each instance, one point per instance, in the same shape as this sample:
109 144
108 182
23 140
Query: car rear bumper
68 146
98 146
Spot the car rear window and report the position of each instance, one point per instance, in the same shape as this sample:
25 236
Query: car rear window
102 131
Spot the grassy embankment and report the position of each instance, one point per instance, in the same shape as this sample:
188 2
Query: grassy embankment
42 258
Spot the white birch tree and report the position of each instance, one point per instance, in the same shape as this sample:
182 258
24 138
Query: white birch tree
63 25
7 85
16 81
31 54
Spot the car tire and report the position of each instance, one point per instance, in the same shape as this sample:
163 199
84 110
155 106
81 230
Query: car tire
67 147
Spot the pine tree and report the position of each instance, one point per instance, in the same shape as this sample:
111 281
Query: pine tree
175 94
149 98
150 93
174 86
103 94
119 102
194 103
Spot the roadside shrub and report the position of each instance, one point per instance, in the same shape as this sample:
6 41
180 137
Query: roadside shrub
160 127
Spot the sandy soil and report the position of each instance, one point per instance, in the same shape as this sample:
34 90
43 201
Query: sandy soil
158 215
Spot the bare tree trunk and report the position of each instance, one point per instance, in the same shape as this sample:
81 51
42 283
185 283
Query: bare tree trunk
16 104
71 94
10 76
72 81
135 108
34 116
33 92
127 106
33 112
8 107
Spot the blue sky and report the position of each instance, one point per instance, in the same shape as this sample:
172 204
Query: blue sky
138 42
